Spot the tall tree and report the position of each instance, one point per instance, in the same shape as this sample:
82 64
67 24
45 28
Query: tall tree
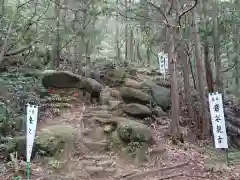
204 126
216 45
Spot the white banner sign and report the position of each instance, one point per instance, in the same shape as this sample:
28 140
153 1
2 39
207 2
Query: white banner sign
32 115
163 62
218 120
166 61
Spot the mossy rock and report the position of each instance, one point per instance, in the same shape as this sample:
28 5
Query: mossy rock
18 144
161 95
132 131
132 95
137 110
19 123
115 76
52 139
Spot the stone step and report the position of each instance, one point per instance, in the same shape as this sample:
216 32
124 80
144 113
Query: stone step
101 114
98 163
106 163
97 158
95 145
94 170
92 108
86 162
100 171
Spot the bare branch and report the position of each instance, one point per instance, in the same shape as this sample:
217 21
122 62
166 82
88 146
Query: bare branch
226 70
186 11
137 19
28 26
170 8
167 22
18 51
159 10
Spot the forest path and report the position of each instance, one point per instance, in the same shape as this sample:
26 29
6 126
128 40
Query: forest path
166 161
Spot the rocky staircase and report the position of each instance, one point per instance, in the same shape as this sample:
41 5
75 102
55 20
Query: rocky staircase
98 165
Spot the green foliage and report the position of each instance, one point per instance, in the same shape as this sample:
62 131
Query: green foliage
36 24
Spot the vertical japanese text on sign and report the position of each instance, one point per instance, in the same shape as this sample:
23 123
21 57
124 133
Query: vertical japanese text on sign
218 121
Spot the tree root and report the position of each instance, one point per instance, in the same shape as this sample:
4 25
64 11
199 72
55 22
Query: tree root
152 172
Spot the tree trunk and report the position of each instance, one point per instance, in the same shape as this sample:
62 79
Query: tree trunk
131 36
208 68
205 125
207 62
75 49
187 52
126 31
186 79
131 44
174 126
118 48
139 53
148 55
57 48
216 46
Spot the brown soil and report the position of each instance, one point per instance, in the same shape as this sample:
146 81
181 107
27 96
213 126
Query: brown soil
166 161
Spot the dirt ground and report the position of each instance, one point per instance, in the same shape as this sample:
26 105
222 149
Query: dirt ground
166 161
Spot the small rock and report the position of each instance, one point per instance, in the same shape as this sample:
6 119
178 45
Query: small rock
200 150
160 121
108 128
113 104
159 112
115 93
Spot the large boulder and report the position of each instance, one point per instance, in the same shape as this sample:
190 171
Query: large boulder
17 144
132 83
132 131
52 139
97 75
115 77
160 95
92 73
137 110
128 129
131 95
92 87
60 79
129 137
49 141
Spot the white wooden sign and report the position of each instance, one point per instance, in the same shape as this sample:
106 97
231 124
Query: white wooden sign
218 120
32 115
163 62
166 60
